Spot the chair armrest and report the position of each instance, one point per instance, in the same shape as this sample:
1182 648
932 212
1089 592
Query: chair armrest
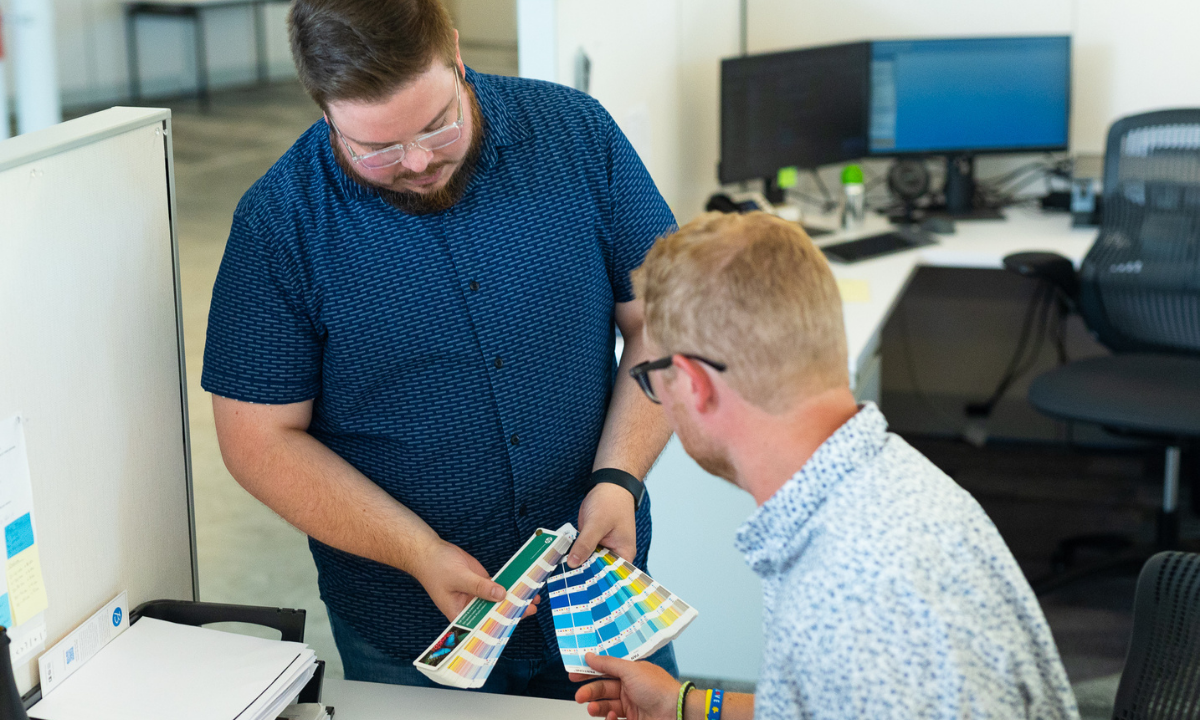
1050 267
289 623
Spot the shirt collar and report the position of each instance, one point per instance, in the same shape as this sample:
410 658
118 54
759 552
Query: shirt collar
774 534
501 129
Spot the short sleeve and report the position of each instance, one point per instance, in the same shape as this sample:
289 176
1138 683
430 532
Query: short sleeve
639 214
263 345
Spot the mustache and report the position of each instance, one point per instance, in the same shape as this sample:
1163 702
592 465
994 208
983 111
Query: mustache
429 170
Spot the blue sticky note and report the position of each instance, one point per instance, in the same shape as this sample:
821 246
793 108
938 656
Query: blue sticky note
5 611
18 535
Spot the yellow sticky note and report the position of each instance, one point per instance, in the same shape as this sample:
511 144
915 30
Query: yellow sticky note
854 291
26 589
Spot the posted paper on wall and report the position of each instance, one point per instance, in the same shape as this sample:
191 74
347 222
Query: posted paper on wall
23 600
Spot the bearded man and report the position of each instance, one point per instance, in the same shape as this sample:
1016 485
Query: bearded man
411 341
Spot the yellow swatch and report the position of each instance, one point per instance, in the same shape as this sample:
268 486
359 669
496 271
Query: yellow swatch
854 291
26 589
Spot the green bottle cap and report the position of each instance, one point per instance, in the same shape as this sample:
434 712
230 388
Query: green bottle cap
852 175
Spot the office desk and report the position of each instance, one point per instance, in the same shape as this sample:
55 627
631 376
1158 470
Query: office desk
696 515
372 701
977 244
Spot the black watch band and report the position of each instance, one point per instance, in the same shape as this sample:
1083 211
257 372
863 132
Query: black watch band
622 478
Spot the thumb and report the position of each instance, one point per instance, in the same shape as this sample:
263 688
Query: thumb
611 666
584 546
483 587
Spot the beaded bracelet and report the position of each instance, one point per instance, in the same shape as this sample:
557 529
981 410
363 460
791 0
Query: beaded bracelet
683 691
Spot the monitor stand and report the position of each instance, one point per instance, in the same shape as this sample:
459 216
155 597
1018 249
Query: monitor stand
960 192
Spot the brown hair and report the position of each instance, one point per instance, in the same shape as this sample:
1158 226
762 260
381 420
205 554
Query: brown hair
365 50
753 292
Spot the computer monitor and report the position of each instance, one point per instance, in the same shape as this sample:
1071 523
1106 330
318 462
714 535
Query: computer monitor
804 108
965 97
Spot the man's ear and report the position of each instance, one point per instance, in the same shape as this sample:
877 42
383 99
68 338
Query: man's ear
702 394
462 69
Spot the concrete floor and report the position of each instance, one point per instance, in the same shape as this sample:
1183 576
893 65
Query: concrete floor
247 554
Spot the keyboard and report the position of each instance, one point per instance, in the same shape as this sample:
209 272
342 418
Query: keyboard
873 246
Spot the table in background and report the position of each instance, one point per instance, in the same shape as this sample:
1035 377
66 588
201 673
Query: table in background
373 701
194 10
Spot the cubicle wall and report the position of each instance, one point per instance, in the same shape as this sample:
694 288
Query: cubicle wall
91 358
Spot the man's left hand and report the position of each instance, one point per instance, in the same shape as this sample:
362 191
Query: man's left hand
605 518
633 690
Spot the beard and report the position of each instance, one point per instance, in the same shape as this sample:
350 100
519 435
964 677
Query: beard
707 454
436 201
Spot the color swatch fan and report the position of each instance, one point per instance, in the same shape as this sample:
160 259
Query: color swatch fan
464 655
609 607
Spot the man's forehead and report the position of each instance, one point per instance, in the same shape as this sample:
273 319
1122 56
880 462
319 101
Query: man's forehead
407 112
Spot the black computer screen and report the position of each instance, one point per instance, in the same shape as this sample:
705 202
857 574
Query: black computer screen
804 108
970 95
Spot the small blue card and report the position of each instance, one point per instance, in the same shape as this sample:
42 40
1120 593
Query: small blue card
18 535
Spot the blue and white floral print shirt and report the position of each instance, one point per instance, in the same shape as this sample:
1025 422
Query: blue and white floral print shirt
888 593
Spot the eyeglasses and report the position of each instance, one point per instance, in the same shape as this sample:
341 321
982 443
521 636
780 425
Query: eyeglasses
394 154
641 372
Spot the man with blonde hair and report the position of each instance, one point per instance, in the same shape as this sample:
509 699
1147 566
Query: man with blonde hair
887 591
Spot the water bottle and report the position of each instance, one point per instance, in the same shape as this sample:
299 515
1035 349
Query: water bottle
854 209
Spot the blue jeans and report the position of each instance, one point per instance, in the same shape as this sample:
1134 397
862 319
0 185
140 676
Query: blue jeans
545 678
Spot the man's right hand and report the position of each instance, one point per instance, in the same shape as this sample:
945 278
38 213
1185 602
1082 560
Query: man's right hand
453 579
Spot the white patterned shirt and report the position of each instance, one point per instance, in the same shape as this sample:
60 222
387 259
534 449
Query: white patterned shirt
888 593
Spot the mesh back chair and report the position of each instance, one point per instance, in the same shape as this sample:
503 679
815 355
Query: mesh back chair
1138 291
1162 670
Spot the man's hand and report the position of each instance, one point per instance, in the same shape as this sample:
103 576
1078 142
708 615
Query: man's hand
635 690
453 579
605 518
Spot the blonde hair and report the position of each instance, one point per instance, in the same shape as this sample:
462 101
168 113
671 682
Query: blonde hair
753 292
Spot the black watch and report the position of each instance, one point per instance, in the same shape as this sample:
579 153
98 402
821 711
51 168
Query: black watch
622 478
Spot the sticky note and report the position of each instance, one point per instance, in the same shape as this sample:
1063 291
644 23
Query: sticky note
18 535
5 611
787 177
26 589
854 291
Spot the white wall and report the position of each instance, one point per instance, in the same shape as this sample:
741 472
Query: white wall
634 49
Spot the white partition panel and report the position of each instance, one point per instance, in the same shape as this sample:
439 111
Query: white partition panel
91 357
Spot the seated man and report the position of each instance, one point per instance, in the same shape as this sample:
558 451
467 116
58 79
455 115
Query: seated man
887 591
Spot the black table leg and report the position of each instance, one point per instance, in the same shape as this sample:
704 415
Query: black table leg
260 41
201 59
131 57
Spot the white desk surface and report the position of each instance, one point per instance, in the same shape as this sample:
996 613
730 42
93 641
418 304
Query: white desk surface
373 701
976 244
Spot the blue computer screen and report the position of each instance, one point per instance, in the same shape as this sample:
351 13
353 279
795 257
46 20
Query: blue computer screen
969 95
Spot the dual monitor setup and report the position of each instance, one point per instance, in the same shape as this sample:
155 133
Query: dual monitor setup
904 99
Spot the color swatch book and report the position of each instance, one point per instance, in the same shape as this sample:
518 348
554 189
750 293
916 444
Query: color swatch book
609 607
464 655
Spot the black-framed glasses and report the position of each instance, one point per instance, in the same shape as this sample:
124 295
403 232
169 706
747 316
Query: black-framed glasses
641 371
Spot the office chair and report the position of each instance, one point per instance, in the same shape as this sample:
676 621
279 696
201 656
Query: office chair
1161 678
1138 291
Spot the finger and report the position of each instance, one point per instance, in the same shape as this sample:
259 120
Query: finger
627 549
530 609
585 544
610 708
537 599
616 667
598 690
481 587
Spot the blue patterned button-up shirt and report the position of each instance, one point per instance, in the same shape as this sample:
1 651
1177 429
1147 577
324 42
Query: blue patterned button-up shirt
888 593
461 360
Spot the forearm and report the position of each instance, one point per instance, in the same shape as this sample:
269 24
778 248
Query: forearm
635 430
325 497
734 706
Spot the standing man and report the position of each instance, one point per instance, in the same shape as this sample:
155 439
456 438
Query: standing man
411 341
887 591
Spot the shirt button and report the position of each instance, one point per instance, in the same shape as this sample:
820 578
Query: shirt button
474 286
522 511
515 439
498 362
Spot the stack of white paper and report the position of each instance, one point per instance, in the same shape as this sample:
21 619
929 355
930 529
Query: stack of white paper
157 670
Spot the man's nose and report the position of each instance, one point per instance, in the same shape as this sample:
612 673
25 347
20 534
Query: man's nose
416 159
